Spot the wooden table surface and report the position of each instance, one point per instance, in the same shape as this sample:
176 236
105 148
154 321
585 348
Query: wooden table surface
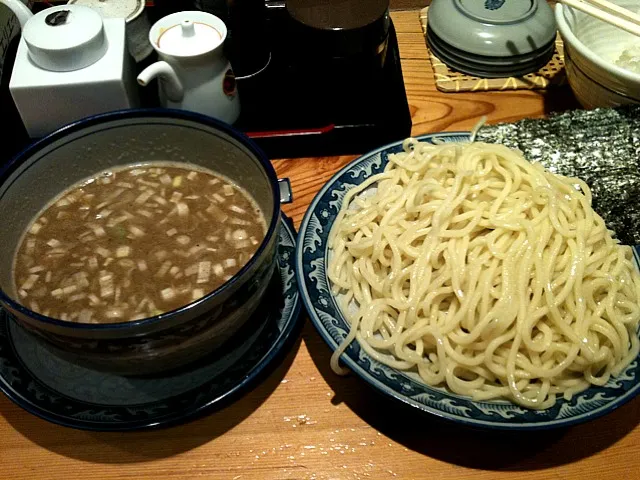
304 422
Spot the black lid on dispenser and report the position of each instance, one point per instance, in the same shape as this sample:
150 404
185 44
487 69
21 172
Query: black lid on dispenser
339 28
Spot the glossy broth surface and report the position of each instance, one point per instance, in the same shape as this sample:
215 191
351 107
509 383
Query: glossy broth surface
134 242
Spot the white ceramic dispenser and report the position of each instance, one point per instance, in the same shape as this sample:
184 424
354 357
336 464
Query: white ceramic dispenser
71 63
193 72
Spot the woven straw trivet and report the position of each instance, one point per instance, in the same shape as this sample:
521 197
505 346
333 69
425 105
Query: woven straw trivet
447 80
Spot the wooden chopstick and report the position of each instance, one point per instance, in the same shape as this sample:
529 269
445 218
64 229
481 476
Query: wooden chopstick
608 12
616 10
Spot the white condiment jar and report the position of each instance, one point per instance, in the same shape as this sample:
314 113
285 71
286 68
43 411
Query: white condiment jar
135 16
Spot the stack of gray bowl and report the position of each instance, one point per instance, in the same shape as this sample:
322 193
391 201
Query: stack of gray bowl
492 38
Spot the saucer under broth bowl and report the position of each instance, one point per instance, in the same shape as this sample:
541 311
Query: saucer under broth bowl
494 38
172 339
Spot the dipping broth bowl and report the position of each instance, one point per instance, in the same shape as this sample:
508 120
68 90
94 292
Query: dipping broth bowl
52 165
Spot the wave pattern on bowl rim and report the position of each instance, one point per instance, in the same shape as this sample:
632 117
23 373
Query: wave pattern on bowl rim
311 260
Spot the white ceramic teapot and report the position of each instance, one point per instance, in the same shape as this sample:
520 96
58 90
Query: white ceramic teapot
71 63
193 73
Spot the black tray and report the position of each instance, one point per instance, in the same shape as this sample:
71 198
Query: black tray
347 108
288 110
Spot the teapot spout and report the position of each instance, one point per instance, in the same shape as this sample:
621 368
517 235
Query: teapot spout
172 86
19 9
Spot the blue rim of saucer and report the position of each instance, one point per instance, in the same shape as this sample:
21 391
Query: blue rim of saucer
24 364
406 388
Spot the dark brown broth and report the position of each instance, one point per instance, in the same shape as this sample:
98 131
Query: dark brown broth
135 242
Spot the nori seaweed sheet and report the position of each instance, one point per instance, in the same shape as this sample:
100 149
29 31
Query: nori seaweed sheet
599 146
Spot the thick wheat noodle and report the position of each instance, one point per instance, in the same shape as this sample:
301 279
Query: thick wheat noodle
485 273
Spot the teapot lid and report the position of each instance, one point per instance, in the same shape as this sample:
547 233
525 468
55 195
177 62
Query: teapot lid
188 34
65 38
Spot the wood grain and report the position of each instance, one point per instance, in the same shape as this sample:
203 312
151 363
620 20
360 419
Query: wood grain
408 4
304 422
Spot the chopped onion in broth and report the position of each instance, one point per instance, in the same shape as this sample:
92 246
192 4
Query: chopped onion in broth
135 242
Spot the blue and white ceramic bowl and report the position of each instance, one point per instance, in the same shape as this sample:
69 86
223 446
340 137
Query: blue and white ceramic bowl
486 67
495 28
311 259
492 38
77 151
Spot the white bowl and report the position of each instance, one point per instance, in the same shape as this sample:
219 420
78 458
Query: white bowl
591 47
590 93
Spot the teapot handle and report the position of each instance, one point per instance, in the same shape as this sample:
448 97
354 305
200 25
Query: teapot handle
19 9
164 72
